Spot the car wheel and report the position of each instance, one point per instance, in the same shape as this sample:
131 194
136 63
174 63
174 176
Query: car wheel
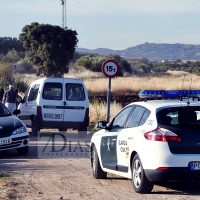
34 128
139 180
82 132
22 150
98 173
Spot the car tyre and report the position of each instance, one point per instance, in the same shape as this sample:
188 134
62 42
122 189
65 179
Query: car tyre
82 132
34 128
98 173
23 150
139 180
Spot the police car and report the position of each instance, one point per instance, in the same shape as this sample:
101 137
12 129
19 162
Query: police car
13 133
151 140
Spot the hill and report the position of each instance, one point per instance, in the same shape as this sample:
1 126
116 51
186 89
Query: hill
153 51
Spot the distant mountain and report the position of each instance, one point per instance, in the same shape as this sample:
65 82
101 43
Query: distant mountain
153 51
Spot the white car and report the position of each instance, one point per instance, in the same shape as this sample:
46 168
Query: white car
13 133
151 140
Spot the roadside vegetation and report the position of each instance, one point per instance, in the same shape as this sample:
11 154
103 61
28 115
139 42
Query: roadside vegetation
135 74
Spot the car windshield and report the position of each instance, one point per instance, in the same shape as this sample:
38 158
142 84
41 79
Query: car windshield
183 117
4 111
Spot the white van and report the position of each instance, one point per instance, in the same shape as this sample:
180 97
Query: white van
60 103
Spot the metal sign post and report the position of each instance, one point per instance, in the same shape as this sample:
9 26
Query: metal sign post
110 68
108 100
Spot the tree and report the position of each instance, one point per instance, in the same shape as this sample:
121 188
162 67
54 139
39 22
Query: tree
9 43
51 47
13 56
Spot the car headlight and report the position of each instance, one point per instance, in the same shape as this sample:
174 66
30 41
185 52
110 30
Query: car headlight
21 129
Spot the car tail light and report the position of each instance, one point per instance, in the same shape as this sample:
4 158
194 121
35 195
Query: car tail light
162 134
39 110
162 168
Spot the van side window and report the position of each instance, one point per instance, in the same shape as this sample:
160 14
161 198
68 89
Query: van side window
34 92
52 91
75 92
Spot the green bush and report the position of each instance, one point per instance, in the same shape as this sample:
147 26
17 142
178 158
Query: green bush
7 78
6 75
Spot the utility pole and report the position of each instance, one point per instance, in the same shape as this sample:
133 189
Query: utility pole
64 14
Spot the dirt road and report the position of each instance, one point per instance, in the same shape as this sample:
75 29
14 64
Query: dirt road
71 178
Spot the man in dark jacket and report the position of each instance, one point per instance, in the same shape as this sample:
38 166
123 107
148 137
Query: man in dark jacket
9 98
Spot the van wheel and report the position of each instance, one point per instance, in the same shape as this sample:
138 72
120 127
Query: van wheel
82 132
22 150
34 128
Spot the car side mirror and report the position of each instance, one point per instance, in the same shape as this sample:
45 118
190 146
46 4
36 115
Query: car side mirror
101 124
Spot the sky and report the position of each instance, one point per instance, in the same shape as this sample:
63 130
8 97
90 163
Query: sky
113 24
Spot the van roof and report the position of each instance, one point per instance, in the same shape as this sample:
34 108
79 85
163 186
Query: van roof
56 80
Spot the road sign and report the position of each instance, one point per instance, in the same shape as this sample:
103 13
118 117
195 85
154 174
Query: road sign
110 68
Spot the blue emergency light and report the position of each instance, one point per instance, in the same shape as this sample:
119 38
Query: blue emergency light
169 94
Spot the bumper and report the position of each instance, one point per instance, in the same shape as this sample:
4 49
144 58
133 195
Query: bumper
61 124
17 142
40 123
173 174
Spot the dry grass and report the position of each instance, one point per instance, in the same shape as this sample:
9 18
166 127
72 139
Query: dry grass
98 111
123 85
96 84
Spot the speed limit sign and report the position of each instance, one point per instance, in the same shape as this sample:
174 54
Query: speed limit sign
110 68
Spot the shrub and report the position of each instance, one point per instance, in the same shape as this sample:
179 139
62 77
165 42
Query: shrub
6 75
7 78
25 66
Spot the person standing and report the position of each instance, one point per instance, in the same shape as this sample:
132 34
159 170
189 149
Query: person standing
9 98
1 94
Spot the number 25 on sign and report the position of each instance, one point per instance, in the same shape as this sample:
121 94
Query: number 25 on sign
110 68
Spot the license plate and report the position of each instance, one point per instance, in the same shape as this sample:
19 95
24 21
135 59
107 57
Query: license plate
5 141
52 116
195 165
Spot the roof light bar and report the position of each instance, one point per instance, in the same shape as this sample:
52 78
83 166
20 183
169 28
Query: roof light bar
168 94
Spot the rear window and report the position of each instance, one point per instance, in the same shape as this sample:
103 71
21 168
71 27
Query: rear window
75 92
52 91
180 117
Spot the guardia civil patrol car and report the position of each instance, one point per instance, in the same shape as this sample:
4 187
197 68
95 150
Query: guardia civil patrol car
151 140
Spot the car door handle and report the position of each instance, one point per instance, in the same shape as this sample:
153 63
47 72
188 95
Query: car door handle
130 138
113 139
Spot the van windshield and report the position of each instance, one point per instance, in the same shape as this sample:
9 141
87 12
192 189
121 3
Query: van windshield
52 91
